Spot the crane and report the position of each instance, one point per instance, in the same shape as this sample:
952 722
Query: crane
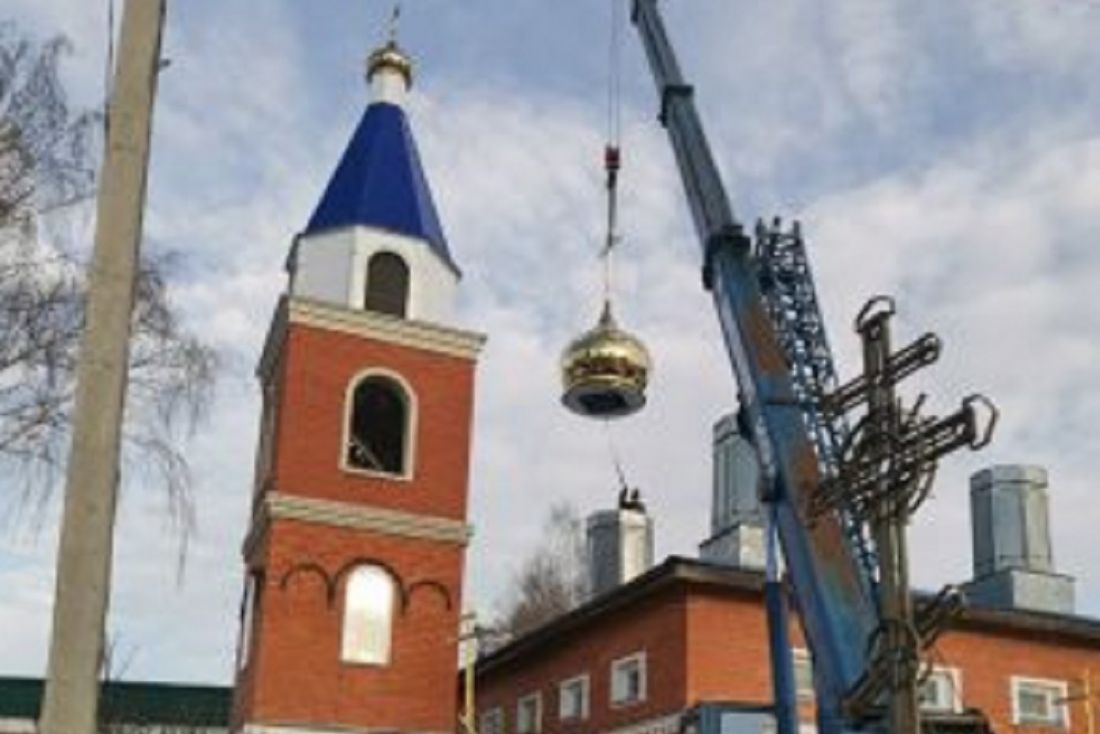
838 499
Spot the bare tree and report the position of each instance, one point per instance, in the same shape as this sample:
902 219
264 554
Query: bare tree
552 580
46 166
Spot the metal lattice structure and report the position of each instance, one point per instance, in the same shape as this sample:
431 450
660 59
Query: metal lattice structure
787 287
874 474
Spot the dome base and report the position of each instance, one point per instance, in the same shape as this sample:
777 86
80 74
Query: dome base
603 399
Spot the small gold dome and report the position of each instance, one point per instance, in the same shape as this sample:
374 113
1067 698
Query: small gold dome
605 371
390 56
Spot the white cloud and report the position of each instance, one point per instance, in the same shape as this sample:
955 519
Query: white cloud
977 250
854 117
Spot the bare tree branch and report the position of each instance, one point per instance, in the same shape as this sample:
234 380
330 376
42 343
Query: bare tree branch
46 163
552 580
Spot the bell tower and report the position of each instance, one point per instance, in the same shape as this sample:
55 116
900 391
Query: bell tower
354 554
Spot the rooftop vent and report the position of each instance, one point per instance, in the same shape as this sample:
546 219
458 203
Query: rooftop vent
736 519
1013 558
620 543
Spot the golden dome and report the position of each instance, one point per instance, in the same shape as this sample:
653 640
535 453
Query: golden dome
390 56
605 371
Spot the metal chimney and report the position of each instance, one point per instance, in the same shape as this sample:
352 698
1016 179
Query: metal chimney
620 543
736 517
1013 559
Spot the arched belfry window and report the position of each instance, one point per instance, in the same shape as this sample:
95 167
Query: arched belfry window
368 616
378 428
387 284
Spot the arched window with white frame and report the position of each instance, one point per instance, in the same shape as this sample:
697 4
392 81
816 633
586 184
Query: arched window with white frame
380 418
369 599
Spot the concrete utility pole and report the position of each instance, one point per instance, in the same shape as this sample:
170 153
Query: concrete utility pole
87 526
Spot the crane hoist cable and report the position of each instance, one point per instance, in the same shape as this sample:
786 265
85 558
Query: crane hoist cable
612 163
616 459
612 150
614 73
606 369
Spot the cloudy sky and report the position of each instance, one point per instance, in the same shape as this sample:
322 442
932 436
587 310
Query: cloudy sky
946 151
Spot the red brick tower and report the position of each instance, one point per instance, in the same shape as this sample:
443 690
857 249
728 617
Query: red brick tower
354 557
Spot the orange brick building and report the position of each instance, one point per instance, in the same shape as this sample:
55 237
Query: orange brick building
657 652
690 632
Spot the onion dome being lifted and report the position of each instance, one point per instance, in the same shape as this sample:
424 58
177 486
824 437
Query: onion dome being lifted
605 371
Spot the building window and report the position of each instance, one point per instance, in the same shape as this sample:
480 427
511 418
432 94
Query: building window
248 613
491 721
387 284
266 441
803 674
941 691
529 714
378 427
573 698
1039 702
628 680
368 616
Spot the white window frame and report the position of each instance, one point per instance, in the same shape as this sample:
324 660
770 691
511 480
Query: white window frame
639 659
352 614
800 657
953 678
536 725
1059 691
491 721
412 417
585 687
248 620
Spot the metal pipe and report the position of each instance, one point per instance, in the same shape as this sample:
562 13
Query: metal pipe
784 685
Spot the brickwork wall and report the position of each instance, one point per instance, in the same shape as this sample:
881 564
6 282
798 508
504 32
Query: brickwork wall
728 648
295 675
988 660
318 367
655 626
729 660
722 655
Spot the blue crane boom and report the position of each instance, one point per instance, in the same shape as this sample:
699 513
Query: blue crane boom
832 586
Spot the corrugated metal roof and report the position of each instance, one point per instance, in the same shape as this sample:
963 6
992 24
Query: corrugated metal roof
132 703
20 698
380 182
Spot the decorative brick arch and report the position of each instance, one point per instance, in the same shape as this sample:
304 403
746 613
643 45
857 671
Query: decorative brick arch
311 568
398 582
428 585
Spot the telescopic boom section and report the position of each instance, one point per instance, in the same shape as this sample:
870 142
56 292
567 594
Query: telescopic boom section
832 589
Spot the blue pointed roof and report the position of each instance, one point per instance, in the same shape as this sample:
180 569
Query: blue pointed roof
380 183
